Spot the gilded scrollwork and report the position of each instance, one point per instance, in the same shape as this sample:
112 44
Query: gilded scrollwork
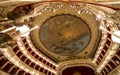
6 40
4 10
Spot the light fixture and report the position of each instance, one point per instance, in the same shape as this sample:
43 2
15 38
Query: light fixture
25 30
6 30
98 16
79 11
115 35
116 38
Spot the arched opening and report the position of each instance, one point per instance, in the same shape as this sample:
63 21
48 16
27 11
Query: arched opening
81 70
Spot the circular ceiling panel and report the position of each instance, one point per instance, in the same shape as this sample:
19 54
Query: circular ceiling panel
65 34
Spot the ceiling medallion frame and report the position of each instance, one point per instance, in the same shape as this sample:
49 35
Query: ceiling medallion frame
73 9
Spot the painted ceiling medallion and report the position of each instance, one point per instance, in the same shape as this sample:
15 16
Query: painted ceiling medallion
64 34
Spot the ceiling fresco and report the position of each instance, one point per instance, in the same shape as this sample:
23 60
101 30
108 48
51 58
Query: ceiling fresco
65 34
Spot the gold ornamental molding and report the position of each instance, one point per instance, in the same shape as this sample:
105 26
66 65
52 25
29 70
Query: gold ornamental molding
73 63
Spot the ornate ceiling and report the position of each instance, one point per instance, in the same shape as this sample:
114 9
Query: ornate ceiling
68 36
